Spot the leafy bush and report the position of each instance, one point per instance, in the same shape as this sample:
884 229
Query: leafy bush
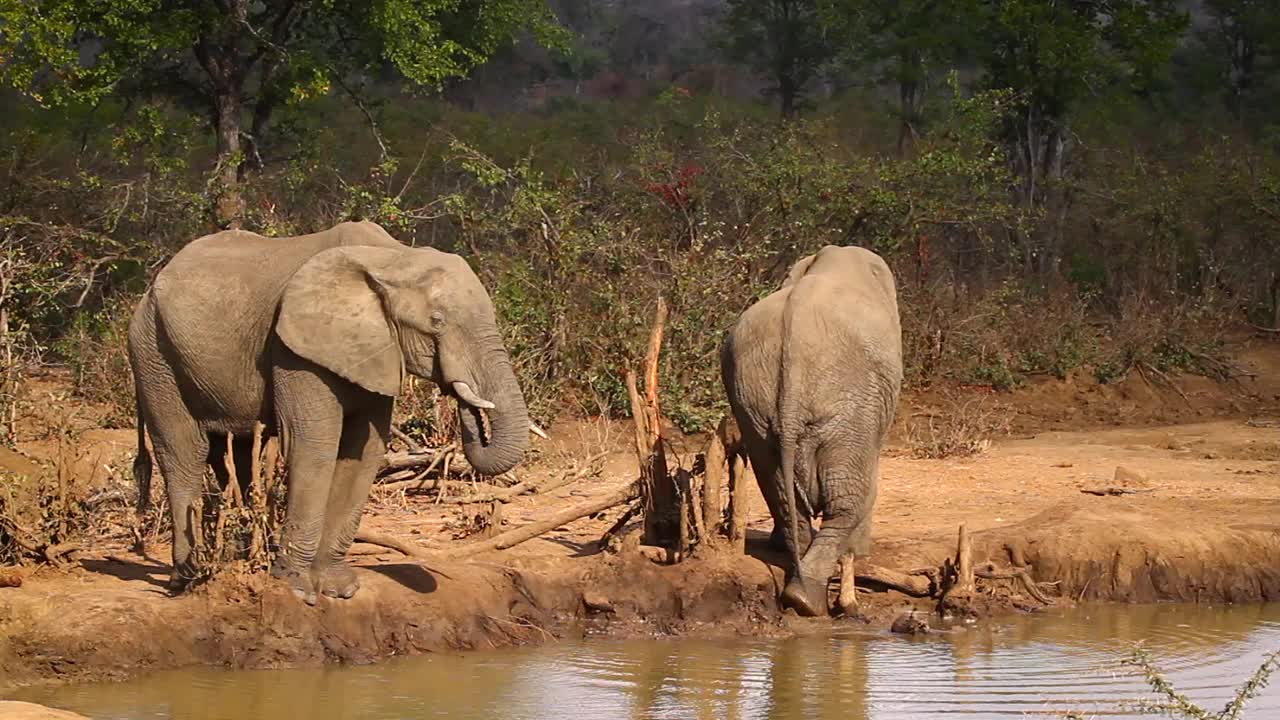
578 219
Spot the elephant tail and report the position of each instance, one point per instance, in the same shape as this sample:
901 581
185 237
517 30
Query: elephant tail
142 467
789 433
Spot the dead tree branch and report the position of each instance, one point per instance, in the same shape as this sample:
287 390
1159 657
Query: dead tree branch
514 537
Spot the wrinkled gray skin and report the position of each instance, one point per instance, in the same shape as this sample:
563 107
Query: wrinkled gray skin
812 373
311 336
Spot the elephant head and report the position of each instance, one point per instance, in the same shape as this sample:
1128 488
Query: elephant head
370 314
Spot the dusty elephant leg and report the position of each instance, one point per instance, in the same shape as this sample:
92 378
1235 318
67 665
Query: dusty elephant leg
311 421
846 527
769 478
364 441
180 451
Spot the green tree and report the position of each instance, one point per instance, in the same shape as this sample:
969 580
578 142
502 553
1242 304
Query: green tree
906 41
783 39
1244 39
237 61
1056 55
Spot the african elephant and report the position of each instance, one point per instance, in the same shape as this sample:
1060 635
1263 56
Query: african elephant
311 336
812 374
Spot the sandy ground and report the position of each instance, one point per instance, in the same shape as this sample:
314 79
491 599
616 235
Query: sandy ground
1200 521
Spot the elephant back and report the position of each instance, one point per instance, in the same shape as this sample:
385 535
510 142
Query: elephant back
216 302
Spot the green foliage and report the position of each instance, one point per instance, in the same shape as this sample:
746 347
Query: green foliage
903 43
433 40
43 45
239 62
710 223
1241 47
578 220
1056 53
781 39
148 42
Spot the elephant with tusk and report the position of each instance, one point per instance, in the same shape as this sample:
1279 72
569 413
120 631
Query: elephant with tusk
312 336
812 374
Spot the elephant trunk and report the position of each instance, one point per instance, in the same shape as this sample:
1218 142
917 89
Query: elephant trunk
497 448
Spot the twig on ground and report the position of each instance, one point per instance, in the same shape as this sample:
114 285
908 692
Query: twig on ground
618 525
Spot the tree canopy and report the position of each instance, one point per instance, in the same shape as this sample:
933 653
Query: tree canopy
781 39
237 61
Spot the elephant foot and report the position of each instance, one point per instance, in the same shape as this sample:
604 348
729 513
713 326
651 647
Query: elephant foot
179 583
184 576
300 582
337 581
800 596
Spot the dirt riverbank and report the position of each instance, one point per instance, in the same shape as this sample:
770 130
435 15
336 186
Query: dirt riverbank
1199 521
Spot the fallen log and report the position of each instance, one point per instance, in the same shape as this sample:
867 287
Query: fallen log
392 543
507 494
907 584
1114 491
510 538
514 537
989 571
449 486
415 459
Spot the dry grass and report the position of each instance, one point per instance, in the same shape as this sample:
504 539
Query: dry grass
961 426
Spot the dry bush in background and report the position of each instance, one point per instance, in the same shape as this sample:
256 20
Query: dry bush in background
962 425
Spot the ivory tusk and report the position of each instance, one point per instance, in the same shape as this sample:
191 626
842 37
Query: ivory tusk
533 428
468 396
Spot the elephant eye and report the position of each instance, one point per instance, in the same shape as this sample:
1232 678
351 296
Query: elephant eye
437 320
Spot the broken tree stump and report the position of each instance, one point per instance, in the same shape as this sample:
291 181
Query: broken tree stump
964 562
716 465
731 438
848 598
661 512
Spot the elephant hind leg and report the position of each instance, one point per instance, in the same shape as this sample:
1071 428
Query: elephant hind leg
846 526
764 464
181 450
364 441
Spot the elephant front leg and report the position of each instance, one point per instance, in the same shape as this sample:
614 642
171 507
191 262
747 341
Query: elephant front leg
311 432
364 442
311 466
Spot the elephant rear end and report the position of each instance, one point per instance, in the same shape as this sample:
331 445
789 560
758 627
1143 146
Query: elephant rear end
813 373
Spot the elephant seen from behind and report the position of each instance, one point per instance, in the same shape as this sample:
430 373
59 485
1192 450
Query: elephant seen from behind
812 373
311 336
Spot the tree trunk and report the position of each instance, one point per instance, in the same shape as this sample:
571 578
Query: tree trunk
909 77
1054 198
229 206
1275 300
787 92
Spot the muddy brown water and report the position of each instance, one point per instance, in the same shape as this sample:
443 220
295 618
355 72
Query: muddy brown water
1013 667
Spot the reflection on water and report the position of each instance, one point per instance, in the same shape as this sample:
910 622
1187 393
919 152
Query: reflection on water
1011 668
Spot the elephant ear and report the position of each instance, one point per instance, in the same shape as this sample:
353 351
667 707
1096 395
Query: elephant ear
331 315
798 270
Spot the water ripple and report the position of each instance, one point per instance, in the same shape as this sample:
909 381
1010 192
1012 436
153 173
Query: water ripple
1027 666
